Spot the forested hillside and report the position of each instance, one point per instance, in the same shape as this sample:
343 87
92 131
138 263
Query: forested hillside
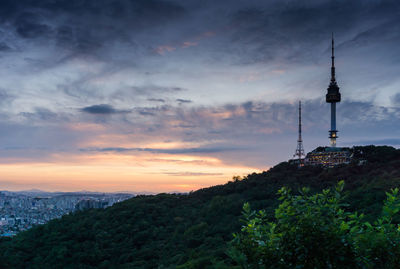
190 231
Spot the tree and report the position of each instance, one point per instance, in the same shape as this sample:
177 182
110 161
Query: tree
315 231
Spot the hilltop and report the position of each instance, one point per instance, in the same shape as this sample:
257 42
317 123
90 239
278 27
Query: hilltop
190 230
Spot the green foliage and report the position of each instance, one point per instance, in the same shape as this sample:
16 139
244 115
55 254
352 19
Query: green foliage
315 231
191 230
374 154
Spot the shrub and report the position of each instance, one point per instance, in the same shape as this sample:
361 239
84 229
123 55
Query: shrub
315 231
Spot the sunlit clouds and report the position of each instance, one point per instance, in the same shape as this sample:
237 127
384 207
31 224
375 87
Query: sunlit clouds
180 95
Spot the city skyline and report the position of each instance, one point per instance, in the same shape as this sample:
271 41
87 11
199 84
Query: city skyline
178 95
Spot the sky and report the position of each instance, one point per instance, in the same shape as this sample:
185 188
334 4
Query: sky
160 96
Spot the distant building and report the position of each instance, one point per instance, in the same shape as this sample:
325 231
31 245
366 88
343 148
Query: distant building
328 157
90 203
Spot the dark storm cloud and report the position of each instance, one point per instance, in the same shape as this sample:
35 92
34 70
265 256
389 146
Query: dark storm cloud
386 31
4 47
28 26
86 25
257 31
290 31
102 109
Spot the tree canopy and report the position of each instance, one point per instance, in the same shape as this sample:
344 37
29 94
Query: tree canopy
192 230
317 231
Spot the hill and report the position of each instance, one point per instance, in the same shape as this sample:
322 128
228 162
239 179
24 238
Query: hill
190 231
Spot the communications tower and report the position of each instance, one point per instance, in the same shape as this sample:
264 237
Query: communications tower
333 97
299 153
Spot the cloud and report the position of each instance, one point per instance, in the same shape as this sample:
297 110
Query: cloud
183 101
4 47
38 138
102 109
191 174
83 26
264 30
27 26
188 44
42 114
99 56
145 111
396 99
5 96
164 151
287 32
160 100
387 141
163 49
251 133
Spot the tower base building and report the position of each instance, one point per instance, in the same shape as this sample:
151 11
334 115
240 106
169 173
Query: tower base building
328 157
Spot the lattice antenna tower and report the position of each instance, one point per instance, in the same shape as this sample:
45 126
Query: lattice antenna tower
299 153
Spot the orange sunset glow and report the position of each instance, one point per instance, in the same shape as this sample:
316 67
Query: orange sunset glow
112 172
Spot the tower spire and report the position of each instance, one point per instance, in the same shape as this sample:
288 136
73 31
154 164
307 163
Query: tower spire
333 79
300 138
299 153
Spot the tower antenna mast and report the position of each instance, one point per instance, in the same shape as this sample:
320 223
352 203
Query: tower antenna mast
299 153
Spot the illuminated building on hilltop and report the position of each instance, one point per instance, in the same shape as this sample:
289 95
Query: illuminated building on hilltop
328 157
